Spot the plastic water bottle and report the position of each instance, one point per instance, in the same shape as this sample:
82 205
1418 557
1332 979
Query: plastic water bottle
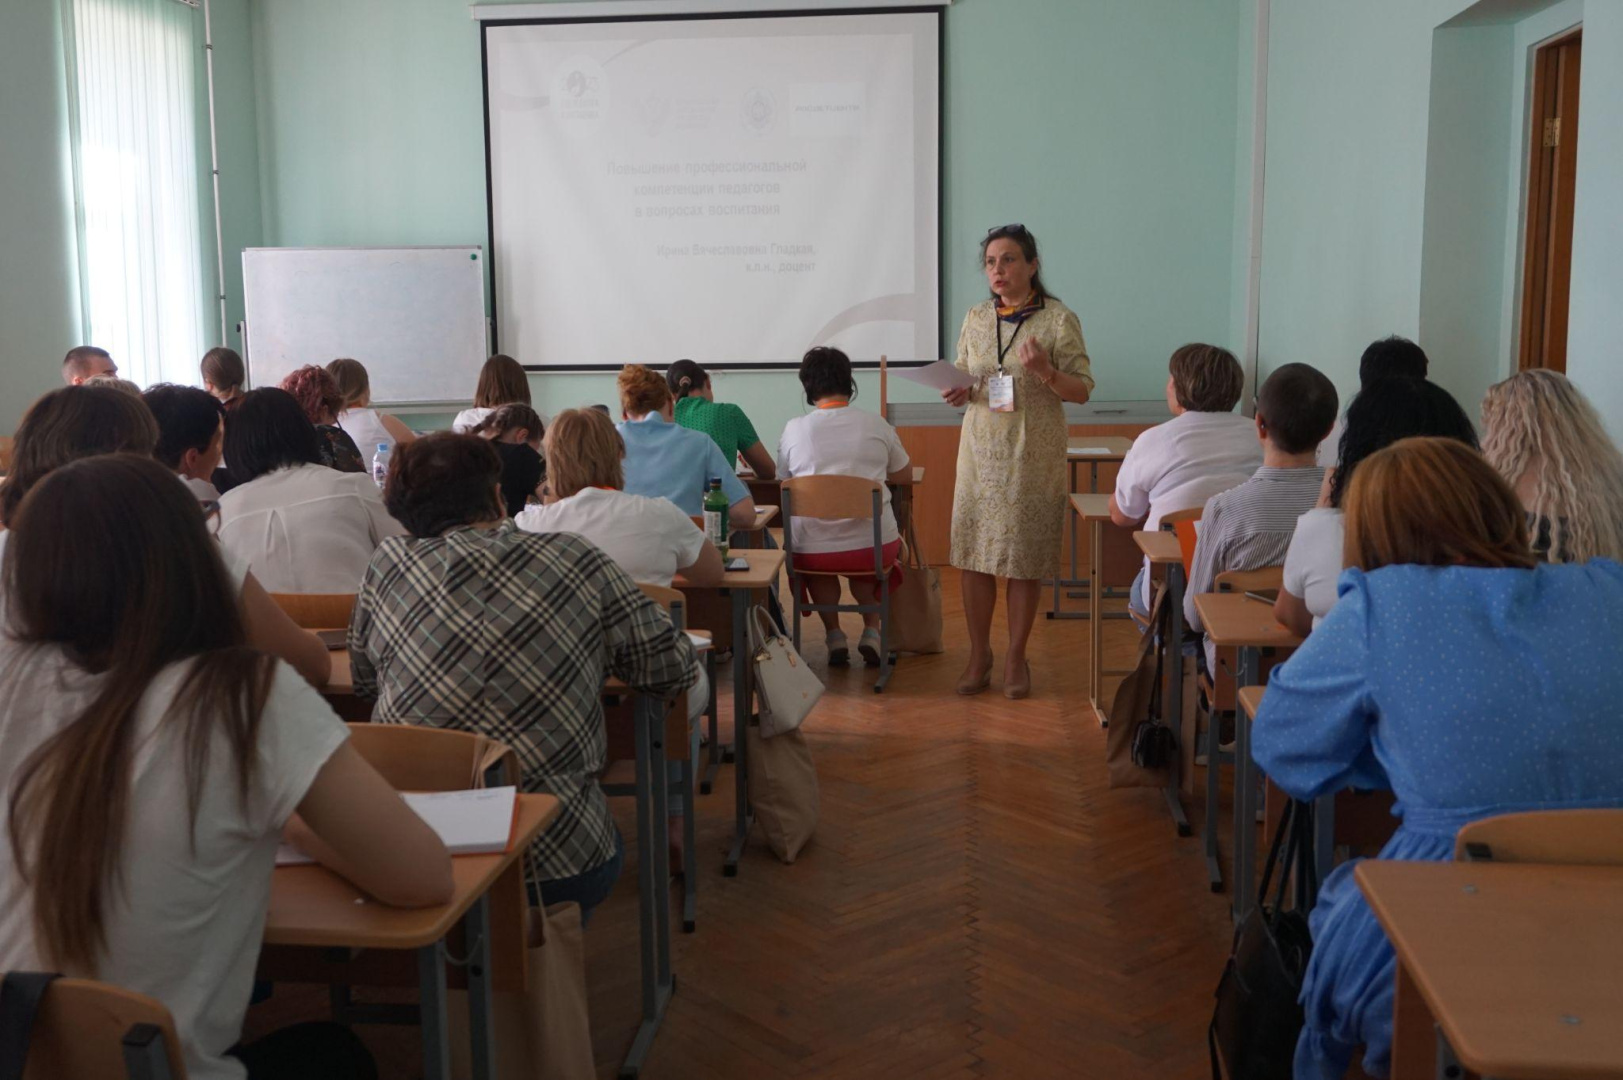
380 465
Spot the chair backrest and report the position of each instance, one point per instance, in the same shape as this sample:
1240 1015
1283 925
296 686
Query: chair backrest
6 445
433 759
1244 581
672 601
1559 837
1182 524
1169 521
317 611
88 1030
829 497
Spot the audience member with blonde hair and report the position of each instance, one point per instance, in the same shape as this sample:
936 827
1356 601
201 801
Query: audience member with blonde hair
516 431
666 461
365 425
502 381
1458 672
1548 441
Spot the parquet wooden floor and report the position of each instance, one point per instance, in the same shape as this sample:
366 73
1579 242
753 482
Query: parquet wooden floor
976 903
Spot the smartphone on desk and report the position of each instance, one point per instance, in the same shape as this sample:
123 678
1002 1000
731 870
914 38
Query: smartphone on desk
736 563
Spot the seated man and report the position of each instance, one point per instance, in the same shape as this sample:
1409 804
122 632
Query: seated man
474 624
86 362
1250 526
1205 448
191 434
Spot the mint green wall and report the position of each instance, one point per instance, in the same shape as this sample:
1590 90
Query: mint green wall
1344 226
39 301
1107 127
238 136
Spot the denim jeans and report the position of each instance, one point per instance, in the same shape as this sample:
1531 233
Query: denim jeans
587 889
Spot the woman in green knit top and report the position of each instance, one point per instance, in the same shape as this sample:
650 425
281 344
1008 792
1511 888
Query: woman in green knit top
697 410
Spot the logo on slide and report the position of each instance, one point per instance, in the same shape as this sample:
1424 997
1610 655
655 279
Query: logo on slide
759 110
580 94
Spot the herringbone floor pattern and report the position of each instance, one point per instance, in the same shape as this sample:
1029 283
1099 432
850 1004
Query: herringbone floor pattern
976 903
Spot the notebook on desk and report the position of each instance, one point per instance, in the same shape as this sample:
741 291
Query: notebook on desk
476 822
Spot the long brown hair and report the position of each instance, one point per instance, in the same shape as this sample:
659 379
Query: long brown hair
1433 501
510 417
350 377
501 381
72 423
110 561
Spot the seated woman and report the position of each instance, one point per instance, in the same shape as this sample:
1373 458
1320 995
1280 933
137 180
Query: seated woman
303 527
318 396
1456 671
698 410
502 381
664 461
224 375
472 623
516 432
128 673
191 435
80 422
839 440
1383 412
367 427
1548 441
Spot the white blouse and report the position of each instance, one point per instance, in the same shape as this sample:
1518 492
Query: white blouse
306 528
1314 562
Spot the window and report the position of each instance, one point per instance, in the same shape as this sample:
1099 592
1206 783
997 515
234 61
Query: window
133 83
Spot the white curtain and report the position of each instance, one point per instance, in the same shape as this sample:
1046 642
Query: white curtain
135 153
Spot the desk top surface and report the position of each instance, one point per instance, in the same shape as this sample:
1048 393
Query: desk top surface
1092 506
1250 698
1234 620
765 563
1100 448
763 517
310 905
1161 547
1519 963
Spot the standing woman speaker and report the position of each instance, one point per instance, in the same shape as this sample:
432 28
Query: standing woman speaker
1025 350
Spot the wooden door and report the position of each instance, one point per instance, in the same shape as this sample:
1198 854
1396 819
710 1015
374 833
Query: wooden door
1552 165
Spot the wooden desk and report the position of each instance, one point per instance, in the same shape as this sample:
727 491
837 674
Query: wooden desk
1235 622
1092 452
1250 698
1161 548
311 907
1094 511
754 536
765 565
1514 968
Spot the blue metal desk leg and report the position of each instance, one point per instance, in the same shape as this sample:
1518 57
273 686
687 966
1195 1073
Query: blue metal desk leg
1245 789
431 1002
476 933
1172 708
652 876
741 718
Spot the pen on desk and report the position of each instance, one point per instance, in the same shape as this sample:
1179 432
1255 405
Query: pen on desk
1264 597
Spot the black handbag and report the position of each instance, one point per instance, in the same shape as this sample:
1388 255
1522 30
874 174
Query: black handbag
1258 1018
1153 746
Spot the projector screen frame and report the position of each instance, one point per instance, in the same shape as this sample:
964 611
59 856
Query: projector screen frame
901 7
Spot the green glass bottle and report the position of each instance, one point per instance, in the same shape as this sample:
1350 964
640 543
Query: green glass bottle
715 517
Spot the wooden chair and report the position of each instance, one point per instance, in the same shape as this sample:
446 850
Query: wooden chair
413 758
88 1030
1219 684
1557 837
681 745
317 611
6 446
1169 523
829 498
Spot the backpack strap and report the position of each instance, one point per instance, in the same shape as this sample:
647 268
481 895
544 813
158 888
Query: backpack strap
20 995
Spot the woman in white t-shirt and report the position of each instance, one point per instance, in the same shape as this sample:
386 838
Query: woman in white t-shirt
302 527
368 427
1383 412
839 440
502 381
127 673
79 422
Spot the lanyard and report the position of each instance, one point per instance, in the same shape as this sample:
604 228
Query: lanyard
1002 349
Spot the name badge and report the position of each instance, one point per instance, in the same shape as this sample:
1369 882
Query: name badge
1000 393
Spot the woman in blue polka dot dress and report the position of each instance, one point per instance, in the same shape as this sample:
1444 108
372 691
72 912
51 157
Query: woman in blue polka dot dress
1459 673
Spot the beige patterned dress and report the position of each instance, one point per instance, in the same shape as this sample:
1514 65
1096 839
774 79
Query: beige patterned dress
1009 510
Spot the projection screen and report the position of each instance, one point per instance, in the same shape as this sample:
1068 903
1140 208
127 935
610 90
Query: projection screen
730 188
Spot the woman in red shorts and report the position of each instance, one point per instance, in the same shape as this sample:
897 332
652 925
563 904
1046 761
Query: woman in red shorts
837 439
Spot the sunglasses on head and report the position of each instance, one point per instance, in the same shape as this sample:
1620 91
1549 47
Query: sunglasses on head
1005 230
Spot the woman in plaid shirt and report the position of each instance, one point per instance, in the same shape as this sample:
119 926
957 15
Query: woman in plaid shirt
473 624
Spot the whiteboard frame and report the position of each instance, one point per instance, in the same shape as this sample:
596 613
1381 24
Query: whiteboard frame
620 9
247 331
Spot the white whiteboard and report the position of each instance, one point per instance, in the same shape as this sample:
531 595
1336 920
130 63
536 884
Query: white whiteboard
415 316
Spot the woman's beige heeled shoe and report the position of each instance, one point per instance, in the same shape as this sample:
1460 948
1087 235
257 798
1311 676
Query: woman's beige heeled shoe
1019 688
968 686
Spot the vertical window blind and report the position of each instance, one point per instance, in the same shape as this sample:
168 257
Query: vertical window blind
136 172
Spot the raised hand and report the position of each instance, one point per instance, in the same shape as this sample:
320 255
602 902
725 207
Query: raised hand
1034 358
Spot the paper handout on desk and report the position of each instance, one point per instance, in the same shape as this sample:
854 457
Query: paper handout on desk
939 375
478 822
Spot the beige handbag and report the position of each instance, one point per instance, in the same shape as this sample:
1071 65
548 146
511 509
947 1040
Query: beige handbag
787 687
915 606
1131 707
783 789
544 1033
